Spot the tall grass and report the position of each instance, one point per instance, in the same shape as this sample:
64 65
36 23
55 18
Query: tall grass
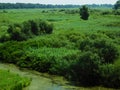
10 81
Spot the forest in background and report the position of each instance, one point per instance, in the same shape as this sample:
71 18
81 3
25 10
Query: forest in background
30 5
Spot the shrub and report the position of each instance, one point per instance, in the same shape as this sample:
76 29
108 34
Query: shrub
11 52
84 13
34 27
26 28
20 32
5 37
106 50
85 70
71 11
105 13
116 12
110 75
45 27
15 32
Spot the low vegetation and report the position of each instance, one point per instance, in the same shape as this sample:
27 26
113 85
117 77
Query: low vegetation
9 81
20 32
86 52
84 13
86 61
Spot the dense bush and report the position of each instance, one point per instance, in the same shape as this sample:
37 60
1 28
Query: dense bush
106 13
116 12
84 13
85 59
85 70
104 48
110 75
15 32
20 32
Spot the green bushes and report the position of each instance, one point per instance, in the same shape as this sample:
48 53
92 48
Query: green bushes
15 32
104 48
84 13
85 70
116 12
106 13
20 32
71 11
117 5
85 59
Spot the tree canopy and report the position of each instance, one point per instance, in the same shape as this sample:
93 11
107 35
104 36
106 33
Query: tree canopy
117 5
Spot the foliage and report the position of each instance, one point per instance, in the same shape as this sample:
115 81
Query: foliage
71 11
117 5
30 5
85 70
110 75
116 12
74 47
10 81
85 65
104 48
84 13
20 32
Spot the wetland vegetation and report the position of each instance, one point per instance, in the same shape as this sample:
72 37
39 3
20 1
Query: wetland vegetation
57 41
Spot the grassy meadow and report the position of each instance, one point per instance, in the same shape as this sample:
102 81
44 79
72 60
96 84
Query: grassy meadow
85 52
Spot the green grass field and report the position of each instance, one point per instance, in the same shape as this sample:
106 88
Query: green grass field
61 21
86 52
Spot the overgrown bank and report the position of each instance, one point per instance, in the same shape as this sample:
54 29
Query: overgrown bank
84 58
10 81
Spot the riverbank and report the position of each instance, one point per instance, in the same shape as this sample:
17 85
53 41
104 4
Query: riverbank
44 81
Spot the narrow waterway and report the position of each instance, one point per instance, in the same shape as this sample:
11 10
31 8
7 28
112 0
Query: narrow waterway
42 81
39 81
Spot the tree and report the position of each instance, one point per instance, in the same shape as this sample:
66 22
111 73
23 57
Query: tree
86 70
117 5
84 13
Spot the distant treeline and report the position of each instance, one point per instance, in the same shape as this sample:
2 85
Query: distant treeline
30 5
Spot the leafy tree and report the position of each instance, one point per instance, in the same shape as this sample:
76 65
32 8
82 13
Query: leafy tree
117 5
84 13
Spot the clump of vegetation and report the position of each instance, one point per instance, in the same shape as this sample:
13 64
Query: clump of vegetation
9 81
116 12
117 8
86 67
20 32
84 13
117 5
106 13
82 58
4 11
71 11
83 52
